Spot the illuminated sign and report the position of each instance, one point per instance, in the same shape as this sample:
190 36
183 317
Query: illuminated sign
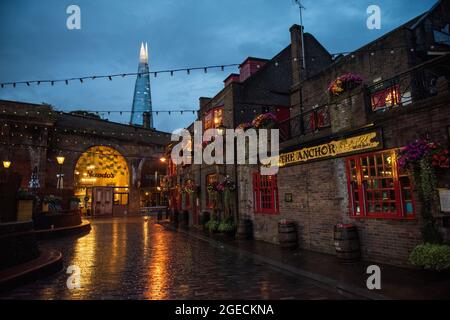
332 149
104 175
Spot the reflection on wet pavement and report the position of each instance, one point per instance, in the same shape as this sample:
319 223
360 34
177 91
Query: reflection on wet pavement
131 258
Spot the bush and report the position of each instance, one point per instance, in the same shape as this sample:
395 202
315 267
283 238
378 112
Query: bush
226 226
431 257
212 225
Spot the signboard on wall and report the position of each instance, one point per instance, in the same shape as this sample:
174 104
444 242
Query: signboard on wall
444 200
336 148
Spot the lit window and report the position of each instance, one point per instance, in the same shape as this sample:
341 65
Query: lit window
213 119
378 188
386 98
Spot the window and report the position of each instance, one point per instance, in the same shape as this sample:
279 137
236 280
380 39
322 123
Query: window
210 178
316 119
120 199
213 119
386 98
265 194
377 188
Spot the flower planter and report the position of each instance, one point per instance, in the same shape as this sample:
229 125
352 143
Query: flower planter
25 210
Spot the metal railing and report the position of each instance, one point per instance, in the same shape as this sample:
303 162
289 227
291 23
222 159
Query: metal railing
308 122
421 82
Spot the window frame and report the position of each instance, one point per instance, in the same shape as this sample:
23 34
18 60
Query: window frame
270 190
391 88
398 189
212 112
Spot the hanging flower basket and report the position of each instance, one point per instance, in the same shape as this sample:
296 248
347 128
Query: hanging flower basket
264 120
415 151
213 187
344 83
190 187
244 126
226 185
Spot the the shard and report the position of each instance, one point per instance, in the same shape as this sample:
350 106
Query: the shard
142 99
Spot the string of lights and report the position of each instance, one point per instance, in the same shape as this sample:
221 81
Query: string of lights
111 76
66 151
52 82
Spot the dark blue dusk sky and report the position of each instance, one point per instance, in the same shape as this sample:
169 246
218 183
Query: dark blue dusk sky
35 44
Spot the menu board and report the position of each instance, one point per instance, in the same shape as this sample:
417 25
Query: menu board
444 199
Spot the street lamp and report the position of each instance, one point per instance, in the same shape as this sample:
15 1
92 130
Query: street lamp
6 164
162 159
221 129
60 159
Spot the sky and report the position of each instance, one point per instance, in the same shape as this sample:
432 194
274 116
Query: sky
35 43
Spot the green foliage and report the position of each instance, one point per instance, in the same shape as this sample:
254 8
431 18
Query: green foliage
226 226
212 225
426 181
431 257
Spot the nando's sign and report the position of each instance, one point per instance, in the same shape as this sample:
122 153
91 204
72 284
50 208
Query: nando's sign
104 175
336 148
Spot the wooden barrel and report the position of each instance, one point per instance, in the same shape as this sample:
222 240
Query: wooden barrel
346 242
287 234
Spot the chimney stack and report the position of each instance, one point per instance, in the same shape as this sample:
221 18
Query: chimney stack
296 52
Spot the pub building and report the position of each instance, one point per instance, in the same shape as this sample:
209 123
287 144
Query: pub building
111 168
339 145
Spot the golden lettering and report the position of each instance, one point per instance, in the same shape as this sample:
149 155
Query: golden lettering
331 149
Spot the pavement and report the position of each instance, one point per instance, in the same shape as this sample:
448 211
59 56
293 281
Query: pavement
136 258
396 282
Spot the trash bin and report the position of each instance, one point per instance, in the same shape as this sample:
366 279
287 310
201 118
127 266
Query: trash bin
346 242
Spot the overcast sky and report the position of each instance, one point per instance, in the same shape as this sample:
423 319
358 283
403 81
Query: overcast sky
36 44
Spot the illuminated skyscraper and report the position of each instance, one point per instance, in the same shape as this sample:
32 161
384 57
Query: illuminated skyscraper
142 100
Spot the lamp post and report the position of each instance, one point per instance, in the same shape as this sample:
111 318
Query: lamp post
6 164
60 159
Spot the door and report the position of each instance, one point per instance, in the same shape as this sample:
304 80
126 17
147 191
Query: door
102 203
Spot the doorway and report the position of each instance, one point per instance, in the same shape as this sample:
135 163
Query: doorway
102 201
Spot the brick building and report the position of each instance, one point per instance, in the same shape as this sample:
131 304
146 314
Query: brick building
404 96
261 86
111 167
337 152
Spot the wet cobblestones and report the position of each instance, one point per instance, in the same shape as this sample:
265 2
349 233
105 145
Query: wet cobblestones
134 258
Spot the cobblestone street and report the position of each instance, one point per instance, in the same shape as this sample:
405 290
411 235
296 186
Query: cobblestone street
131 258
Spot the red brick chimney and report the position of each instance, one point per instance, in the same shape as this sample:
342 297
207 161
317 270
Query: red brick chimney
250 66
